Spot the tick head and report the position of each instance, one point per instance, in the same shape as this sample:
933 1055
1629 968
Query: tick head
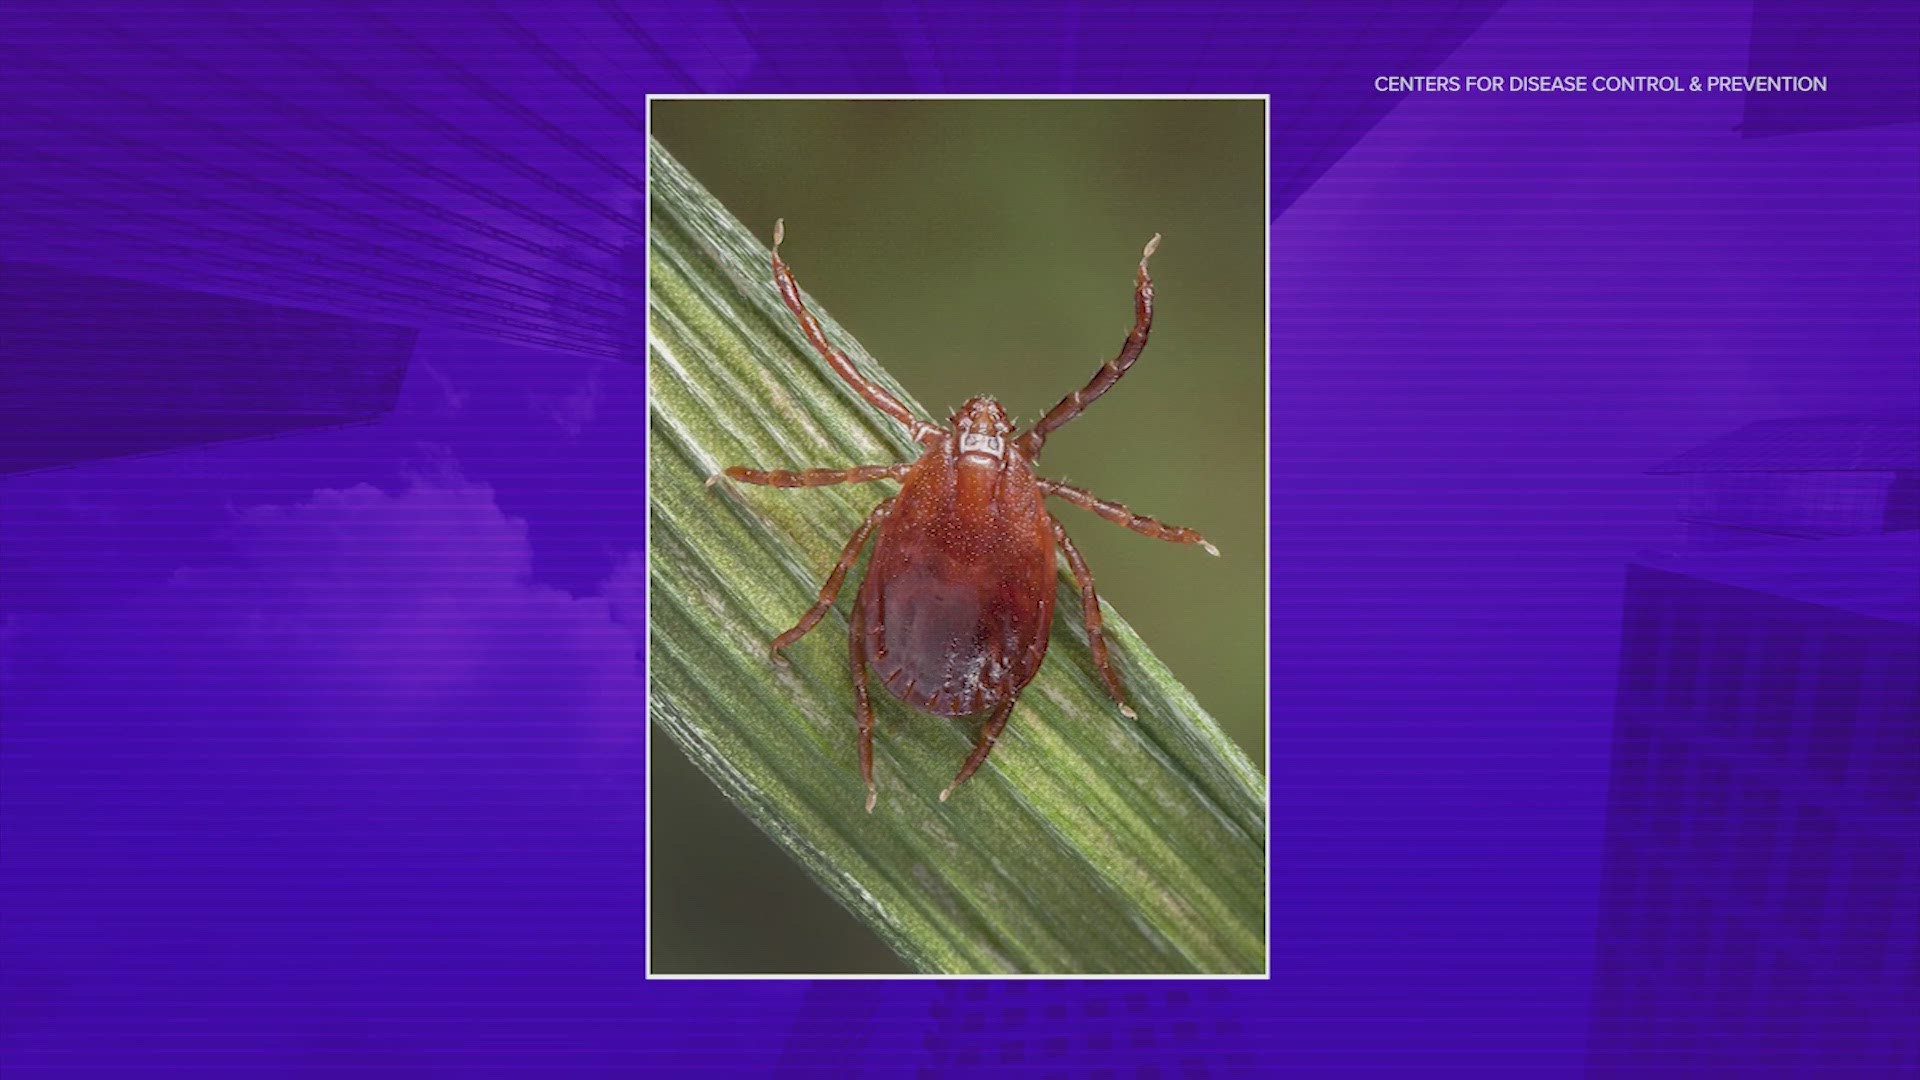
983 428
982 416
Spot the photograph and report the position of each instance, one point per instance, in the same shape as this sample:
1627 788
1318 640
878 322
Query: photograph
945 705
1064 540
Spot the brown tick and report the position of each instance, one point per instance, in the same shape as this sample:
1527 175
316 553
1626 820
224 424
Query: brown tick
957 604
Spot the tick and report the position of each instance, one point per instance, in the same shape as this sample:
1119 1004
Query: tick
957 604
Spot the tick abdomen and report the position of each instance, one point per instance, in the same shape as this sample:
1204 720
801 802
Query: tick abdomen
959 594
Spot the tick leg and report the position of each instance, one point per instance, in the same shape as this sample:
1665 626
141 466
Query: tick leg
1120 515
989 734
1109 373
1090 609
862 704
803 478
876 395
834 579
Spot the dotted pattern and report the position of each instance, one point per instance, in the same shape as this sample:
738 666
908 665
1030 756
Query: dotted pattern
1102 1031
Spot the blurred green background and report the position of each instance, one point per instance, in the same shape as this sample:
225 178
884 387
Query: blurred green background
988 247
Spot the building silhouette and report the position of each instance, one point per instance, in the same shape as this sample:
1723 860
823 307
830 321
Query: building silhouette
1760 896
95 367
1800 478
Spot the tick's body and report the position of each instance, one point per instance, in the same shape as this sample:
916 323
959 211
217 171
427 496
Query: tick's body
958 597
957 604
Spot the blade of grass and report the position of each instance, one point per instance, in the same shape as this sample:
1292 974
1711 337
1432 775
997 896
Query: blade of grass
1089 843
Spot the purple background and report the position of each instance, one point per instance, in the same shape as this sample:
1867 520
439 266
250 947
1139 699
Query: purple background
323 710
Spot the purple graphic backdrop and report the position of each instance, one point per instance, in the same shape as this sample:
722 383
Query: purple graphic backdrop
323 708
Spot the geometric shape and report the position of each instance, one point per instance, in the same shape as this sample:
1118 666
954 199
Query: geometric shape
1866 51
95 367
